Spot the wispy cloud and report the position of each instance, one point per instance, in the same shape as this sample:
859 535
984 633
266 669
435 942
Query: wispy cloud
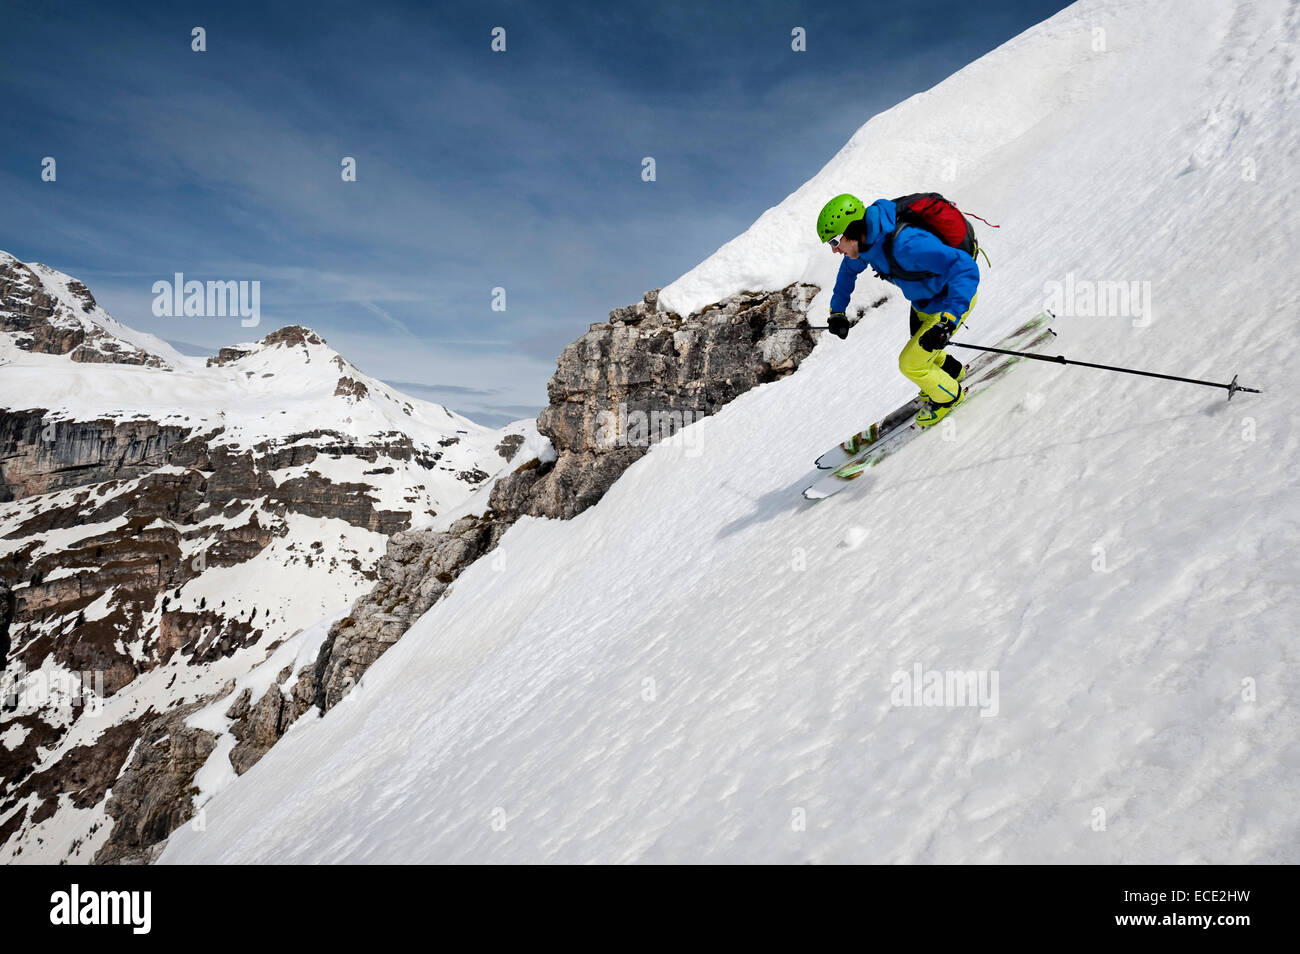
387 318
443 389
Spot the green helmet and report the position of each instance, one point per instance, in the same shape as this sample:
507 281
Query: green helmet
837 214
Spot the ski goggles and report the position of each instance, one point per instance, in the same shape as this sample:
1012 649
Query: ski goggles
835 242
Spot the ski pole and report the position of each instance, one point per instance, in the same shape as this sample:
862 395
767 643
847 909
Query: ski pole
1233 387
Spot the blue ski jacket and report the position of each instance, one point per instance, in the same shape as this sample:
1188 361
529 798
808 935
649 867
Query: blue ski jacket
952 287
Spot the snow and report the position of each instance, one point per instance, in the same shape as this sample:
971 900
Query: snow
58 539
276 392
534 447
706 668
71 835
101 607
13 736
287 576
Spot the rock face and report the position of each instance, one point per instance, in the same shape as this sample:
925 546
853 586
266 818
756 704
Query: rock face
151 522
82 775
414 573
39 455
644 366
155 797
6 617
641 365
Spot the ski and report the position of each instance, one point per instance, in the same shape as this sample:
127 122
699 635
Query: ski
891 439
847 450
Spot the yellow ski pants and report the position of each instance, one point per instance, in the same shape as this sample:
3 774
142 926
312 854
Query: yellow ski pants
931 371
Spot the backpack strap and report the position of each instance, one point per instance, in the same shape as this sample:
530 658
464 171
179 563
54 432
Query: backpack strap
896 270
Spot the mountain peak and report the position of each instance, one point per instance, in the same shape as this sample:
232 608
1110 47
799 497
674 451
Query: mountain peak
290 336
44 311
293 335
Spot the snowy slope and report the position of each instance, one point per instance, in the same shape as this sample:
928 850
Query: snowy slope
702 667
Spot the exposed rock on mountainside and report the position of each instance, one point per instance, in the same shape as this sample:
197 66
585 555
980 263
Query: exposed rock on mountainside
38 456
651 366
159 787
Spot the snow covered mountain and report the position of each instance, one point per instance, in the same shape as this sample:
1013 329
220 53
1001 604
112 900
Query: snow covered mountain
166 522
47 312
705 667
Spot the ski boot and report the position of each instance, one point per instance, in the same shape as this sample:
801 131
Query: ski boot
932 413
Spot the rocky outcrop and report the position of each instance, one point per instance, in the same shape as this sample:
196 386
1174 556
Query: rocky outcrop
414 573
6 617
229 355
645 365
258 724
290 336
510 445
351 388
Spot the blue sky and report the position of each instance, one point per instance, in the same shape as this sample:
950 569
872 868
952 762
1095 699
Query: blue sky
475 169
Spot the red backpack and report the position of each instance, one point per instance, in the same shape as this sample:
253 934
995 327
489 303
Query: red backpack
939 217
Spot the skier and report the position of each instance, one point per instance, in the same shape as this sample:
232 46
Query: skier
941 282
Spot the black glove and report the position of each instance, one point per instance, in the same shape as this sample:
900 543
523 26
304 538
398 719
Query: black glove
838 325
938 335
